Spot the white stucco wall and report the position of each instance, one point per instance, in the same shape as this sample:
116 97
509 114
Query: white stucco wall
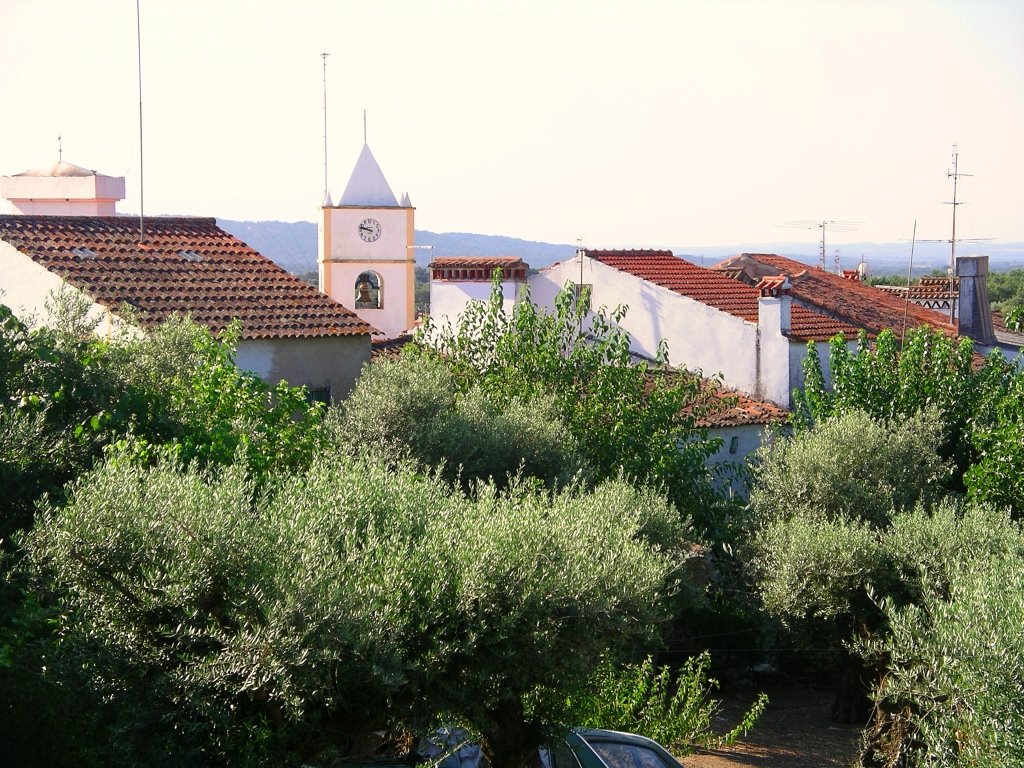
448 298
774 353
699 337
88 195
748 438
27 288
333 361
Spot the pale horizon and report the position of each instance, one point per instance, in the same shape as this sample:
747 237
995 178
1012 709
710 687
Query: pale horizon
624 124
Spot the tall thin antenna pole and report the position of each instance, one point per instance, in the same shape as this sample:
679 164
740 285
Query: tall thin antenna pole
364 126
326 190
955 175
910 272
60 149
821 260
142 186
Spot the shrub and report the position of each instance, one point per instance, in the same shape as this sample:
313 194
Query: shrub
953 661
411 407
850 467
349 597
674 710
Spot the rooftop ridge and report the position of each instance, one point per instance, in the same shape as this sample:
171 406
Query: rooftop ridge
184 265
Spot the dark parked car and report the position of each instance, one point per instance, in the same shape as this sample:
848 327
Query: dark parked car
578 748
594 748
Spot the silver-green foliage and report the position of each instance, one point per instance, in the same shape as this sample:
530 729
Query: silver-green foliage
953 690
349 596
413 407
820 501
850 467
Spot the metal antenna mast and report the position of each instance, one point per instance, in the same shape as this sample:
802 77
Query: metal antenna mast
823 225
955 175
60 149
326 190
142 185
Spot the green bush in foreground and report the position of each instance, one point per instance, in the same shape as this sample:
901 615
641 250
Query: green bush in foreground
675 710
953 692
411 407
347 598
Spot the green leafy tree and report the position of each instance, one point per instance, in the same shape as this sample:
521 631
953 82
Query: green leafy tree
628 418
345 598
997 475
892 381
1006 289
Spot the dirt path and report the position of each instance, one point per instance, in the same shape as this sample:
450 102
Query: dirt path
794 732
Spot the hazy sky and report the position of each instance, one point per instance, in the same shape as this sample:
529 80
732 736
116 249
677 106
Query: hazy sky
627 122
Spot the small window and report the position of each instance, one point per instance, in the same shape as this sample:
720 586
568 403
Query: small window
319 394
734 444
84 254
190 256
582 293
368 291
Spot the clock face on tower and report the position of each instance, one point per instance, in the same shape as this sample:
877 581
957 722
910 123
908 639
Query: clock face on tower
369 229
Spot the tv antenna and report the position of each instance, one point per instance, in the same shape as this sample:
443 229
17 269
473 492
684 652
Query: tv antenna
142 185
824 225
954 173
327 193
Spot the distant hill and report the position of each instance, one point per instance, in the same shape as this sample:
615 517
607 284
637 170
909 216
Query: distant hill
293 245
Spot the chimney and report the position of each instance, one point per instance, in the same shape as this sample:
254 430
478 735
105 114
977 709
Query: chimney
63 189
974 317
774 304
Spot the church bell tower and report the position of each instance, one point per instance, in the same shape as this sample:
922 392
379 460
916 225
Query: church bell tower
366 260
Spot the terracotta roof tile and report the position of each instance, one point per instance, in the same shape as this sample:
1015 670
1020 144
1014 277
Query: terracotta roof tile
478 261
714 288
477 268
737 409
185 265
855 303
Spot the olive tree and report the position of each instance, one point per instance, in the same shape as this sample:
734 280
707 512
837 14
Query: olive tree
819 502
342 599
411 407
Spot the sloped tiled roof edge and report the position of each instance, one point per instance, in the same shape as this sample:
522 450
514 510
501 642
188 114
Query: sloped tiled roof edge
849 301
713 288
181 265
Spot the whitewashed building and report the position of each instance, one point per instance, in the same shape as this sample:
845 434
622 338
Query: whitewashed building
166 266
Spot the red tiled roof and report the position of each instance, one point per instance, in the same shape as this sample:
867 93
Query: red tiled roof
185 265
850 301
714 288
737 409
929 289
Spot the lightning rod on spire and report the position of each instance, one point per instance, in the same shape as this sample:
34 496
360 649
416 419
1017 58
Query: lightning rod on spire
326 190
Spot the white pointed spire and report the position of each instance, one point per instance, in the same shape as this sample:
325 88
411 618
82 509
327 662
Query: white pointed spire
327 203
367 185
406 202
